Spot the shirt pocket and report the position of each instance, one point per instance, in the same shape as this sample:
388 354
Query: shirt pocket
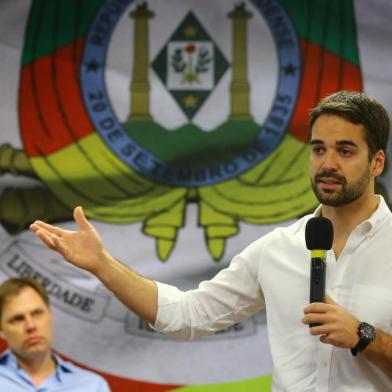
372 304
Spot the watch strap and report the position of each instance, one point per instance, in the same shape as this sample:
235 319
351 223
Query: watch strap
366 333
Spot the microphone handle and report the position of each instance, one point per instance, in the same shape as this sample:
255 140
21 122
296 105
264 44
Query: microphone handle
317 281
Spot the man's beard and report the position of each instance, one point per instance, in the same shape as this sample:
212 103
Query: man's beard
347 193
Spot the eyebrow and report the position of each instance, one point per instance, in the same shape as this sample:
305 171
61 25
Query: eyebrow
338 143
19 316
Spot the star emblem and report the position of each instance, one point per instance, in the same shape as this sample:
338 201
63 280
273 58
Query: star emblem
190 101
190 31
92 66
289 69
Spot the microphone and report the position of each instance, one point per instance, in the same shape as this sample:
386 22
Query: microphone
319 238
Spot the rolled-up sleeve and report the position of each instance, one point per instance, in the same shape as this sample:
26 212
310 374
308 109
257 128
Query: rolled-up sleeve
234 294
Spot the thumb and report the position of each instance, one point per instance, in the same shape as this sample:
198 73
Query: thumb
80 219
329 300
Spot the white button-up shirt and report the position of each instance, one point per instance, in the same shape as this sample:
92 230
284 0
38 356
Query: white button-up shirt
274 271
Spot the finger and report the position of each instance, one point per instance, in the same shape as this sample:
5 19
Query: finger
59 247
34 227
39 225
316 307
52 241
316 318
46 238
324 339
329 300
80 219
319 330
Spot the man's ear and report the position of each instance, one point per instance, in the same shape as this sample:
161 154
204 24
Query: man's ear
378 163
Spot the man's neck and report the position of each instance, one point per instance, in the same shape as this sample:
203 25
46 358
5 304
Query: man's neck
346 218
39 367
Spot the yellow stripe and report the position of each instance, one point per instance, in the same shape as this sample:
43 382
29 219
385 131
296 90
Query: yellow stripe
87 173
318 253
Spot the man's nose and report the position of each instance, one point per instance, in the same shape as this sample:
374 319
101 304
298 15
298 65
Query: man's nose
330 161
30 323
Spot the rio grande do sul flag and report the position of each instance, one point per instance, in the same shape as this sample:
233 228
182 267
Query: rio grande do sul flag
181 128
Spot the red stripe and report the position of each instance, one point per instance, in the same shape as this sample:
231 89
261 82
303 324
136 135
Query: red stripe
352 77
51 109
67 63
323 73
311 55
330 75
31 126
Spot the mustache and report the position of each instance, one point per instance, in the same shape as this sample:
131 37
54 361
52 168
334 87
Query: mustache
330 174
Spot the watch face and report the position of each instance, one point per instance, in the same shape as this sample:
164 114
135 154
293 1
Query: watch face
367 332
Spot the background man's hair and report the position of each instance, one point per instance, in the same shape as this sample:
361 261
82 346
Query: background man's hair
13 286
358 108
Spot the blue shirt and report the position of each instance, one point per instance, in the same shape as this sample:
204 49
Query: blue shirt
66 378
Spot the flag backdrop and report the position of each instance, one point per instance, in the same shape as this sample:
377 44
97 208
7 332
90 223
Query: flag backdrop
181 127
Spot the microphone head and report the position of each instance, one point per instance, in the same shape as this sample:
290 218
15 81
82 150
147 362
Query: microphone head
319 233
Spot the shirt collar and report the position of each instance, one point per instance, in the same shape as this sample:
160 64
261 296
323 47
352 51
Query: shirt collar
371 224
9 359
62 368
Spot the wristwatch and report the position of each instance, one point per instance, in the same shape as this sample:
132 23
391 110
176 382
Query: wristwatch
366 333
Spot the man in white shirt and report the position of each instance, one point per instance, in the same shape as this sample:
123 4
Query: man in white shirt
351 348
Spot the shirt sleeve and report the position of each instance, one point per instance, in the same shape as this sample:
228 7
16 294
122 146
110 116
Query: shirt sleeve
234 294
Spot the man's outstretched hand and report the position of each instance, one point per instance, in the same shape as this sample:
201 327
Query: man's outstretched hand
83 248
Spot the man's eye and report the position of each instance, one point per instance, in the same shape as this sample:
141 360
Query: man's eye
16 320
345 152
38 312
317 149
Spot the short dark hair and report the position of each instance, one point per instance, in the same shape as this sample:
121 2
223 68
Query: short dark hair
358 108
13 286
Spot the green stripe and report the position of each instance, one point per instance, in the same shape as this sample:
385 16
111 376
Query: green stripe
318 18
54 24
327 23
259 384
32 25
350 43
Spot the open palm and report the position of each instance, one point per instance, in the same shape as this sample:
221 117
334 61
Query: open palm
83 248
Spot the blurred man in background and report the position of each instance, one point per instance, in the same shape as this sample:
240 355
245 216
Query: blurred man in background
29 364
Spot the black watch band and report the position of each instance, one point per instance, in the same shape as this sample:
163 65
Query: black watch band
366 333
